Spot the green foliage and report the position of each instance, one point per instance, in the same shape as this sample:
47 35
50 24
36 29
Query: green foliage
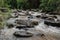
3 18
3 3
21 4
45 5
49 5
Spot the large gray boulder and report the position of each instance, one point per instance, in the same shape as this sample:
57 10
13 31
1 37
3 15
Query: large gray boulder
52 23
22 34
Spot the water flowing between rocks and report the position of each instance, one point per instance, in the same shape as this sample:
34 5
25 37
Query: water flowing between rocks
7 34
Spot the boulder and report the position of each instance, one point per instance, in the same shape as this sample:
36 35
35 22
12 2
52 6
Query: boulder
52 23
34 23
21 22
22 34
44 16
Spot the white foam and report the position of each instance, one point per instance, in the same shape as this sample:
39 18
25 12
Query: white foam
48 29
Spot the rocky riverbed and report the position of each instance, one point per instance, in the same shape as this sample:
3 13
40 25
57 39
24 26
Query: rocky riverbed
31 22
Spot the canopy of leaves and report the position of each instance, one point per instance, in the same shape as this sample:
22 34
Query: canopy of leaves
45 5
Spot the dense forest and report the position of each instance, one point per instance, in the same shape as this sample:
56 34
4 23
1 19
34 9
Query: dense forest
45 5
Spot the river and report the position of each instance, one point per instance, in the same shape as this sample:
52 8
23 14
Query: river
50 32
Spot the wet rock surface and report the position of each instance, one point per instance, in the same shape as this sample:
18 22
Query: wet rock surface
52 22
23 34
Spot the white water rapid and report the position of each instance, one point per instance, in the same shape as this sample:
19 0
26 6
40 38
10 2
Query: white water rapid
53 31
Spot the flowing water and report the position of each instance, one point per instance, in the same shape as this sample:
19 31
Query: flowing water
7 34
49 30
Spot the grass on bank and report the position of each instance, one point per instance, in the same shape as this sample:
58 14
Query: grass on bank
3 17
